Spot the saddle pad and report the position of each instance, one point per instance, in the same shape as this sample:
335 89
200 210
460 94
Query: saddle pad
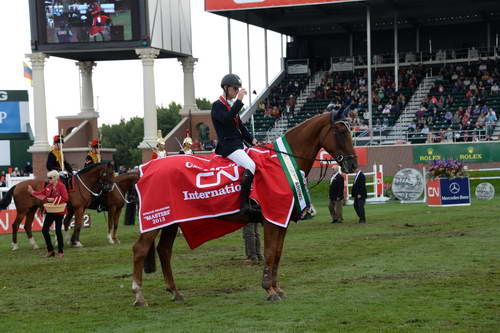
194 191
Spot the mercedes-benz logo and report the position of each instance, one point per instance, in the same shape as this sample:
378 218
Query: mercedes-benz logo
454 188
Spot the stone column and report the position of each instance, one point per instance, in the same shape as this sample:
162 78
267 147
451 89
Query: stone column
87 90
148 56
41 145
189 94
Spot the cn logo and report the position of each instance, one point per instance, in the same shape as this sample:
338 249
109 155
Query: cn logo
454 188
433 192
206 179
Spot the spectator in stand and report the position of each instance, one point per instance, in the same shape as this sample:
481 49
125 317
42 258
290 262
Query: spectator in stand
16 172
387 109
491 120
425 130
412 127
495 88
3 179
385 122
448 137
448 116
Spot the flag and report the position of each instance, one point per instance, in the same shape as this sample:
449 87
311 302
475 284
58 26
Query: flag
27 72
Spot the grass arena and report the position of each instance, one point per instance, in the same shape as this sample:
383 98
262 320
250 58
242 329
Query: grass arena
409 269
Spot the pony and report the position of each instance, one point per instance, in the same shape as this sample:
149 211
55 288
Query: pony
328 131
86 183
115 200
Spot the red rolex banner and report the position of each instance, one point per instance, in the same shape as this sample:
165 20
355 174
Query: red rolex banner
194 191
216 5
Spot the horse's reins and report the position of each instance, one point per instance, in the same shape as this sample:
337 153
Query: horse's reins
115 185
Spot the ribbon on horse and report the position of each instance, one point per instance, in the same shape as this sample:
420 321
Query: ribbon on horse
195 191
293 175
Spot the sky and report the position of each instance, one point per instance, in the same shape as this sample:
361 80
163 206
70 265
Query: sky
118 84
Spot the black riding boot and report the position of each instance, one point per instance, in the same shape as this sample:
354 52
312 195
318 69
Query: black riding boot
246 186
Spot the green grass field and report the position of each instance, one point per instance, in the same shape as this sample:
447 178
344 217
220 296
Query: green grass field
409 269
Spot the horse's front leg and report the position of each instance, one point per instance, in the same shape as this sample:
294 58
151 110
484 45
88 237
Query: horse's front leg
111 223
66 224
116 220
271 238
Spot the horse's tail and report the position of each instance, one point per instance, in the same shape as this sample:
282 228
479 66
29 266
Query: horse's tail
5 202
150 260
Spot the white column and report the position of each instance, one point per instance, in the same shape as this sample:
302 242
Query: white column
41 143
369 70
249 67
396 55
266 61
189 93
282 60
148 56
87 90
229 51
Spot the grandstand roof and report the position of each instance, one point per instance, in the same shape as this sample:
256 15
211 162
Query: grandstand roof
346 17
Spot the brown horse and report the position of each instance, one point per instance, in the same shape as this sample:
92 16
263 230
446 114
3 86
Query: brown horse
87 181
115 200
326 131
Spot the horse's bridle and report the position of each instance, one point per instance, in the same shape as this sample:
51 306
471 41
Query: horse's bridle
340 158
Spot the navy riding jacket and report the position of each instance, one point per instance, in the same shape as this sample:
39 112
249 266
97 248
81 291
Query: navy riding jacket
231 133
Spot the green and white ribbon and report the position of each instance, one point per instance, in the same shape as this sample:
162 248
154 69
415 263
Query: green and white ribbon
293 174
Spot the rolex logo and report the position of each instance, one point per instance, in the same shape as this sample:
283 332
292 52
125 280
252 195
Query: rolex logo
470 150
430 151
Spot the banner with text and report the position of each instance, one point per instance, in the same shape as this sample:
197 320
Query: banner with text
219 5
464 152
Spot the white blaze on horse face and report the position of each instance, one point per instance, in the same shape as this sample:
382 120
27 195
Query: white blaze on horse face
219 174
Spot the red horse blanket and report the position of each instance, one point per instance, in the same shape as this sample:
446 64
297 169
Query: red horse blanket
194 190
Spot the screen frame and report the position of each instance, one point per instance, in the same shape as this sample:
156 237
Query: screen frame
39 31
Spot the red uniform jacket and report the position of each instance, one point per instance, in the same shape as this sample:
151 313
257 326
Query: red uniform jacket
58 192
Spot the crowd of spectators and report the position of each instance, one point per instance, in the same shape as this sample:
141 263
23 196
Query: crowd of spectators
351 89
15 172
457 108
282 99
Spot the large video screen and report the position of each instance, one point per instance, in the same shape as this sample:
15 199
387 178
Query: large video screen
87 21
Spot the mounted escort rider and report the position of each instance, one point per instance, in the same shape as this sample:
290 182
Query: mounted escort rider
55 161
232 135
94 157
160 151
94 154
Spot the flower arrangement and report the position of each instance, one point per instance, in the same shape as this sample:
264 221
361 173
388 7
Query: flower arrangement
446 169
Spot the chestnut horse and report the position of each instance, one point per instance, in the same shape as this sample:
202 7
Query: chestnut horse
326 131
115 200
91 179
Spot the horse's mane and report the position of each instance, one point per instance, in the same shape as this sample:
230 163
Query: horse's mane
123 175
304 123
90 167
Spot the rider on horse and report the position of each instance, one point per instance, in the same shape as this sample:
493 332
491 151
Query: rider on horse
55 161
232 134
94 154
160 151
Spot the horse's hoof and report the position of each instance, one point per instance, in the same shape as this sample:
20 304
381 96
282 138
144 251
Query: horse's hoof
178 298
110 241
273 298
117 241
77 245
35 246
15 246
140 304
281 294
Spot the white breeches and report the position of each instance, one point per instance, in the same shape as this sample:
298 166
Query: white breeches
241 158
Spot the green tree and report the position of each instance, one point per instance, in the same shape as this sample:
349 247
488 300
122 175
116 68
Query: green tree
203 104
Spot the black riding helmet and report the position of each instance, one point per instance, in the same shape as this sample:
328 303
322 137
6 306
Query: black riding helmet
231 80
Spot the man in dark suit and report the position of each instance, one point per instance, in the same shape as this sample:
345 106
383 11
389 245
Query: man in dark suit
359 195
336 195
